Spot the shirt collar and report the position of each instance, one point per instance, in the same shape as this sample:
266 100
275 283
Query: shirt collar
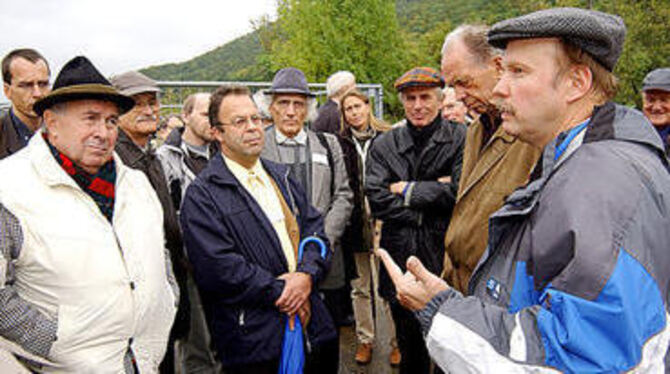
21 128
242 173
300 138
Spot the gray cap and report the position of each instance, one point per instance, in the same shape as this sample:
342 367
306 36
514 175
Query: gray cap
290 81
133 83
599 34
658 79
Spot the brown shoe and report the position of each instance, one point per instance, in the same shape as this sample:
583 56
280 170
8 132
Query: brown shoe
364 353
395 357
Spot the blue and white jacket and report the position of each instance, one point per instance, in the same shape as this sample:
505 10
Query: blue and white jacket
575 277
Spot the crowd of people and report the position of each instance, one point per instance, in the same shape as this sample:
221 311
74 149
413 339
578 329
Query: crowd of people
515 220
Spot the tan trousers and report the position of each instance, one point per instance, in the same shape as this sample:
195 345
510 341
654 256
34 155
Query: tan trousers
367 266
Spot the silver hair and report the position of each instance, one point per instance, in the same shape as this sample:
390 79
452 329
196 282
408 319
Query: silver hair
262 103
338 81
474 37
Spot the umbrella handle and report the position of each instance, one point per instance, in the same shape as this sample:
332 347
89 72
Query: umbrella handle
312 239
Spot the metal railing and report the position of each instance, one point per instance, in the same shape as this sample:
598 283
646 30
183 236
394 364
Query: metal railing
175 92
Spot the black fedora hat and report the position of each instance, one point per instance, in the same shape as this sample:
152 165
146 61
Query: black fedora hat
80 80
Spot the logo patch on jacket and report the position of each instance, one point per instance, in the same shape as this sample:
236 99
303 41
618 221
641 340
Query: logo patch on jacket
493 288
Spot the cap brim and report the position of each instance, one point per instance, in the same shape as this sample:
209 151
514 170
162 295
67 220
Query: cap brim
84 92
288 91
405 86
139 89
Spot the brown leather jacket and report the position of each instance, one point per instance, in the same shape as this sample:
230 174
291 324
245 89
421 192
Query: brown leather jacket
489 174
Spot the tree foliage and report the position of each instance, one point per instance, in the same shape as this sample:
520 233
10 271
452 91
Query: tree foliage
380 39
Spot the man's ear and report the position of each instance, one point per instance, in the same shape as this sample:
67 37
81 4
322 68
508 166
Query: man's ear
497 64
50 122
580 81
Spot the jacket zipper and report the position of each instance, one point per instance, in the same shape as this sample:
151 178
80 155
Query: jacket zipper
240 319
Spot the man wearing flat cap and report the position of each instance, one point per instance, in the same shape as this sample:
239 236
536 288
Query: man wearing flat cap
656 102
577 271
133 147
86 281
412 175
315 160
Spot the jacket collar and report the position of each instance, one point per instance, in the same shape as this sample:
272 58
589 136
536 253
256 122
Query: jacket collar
404 138
218 172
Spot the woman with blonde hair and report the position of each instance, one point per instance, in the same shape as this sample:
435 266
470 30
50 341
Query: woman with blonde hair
358 129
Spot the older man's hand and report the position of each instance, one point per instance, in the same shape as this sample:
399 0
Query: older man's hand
417 286
397 187
296 291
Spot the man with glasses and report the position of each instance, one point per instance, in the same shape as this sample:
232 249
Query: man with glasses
133 147
25 74
243 219
316 161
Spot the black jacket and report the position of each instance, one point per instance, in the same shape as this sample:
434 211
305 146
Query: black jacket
133 157
328 119
415 224
9 140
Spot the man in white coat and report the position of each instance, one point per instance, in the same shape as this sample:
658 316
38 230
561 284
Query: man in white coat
85 281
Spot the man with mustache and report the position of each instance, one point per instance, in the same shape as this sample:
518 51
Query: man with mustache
135 130
576 275
85 281
243 220
412 175
315 160
494 162
25 76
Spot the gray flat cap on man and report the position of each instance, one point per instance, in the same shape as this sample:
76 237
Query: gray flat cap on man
133 83
658 79
289 81
599 34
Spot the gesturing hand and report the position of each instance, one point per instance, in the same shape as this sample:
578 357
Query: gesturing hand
417 286
296 291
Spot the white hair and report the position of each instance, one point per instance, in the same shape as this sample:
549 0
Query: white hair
262 103
338 81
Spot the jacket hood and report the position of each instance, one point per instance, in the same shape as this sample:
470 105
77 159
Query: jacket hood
613 121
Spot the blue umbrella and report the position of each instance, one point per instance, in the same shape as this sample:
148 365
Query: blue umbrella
293 349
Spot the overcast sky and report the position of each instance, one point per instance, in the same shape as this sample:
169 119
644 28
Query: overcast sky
121 35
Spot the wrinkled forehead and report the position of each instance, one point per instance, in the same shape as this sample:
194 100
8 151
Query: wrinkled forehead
547 52
656 94
289 97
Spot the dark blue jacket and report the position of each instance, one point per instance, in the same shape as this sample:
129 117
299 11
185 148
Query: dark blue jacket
237 257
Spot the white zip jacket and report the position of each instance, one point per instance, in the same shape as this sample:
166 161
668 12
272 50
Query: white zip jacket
105 285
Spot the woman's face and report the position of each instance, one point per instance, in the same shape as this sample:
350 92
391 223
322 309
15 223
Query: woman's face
356 112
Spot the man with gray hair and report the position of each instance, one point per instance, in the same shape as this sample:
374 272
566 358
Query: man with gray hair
337 85
315 160
494 162
133 147
577 272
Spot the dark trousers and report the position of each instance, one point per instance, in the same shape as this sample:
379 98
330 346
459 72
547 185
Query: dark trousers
415 359
324 359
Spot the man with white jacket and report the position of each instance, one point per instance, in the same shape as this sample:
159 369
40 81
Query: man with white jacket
86 282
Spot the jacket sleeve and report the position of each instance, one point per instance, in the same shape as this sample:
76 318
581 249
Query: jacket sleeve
342 202
218 267
20 321
435 195
311 224
378 177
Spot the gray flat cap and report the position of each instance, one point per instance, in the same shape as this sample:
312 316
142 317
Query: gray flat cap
658 79
133 82
599 34
290 81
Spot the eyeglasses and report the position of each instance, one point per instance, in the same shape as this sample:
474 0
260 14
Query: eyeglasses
240 122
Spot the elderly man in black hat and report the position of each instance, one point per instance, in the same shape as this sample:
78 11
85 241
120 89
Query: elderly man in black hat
412 175
84 276
316 161
656 102
577 270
